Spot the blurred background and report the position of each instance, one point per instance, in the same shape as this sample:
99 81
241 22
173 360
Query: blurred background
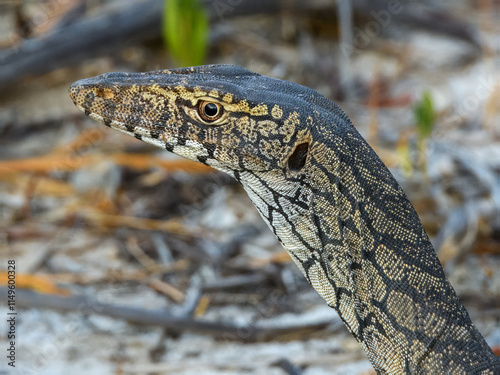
130 260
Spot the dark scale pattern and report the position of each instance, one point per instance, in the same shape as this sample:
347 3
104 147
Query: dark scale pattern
325 194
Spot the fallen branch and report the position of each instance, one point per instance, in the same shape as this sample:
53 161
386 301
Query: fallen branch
84 305
138 21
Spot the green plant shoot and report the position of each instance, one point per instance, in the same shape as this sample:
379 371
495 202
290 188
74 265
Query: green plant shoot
425 118
185 31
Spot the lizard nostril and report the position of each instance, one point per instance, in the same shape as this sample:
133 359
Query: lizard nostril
104 93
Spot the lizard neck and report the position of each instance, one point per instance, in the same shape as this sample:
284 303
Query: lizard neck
362 247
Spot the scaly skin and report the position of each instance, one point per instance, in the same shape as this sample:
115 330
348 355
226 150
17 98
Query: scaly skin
323 191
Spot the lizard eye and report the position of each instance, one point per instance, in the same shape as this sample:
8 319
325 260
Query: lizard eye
210 111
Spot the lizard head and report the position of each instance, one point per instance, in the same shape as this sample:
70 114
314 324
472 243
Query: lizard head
267 133
224 116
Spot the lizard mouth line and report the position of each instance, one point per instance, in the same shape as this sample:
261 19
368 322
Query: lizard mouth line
138 132
168 140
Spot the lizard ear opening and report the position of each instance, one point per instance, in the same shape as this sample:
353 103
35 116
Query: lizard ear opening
297 159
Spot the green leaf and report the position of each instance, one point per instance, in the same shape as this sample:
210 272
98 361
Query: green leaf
185 31
425 116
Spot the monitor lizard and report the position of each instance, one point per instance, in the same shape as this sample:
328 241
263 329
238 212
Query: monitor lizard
324 193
